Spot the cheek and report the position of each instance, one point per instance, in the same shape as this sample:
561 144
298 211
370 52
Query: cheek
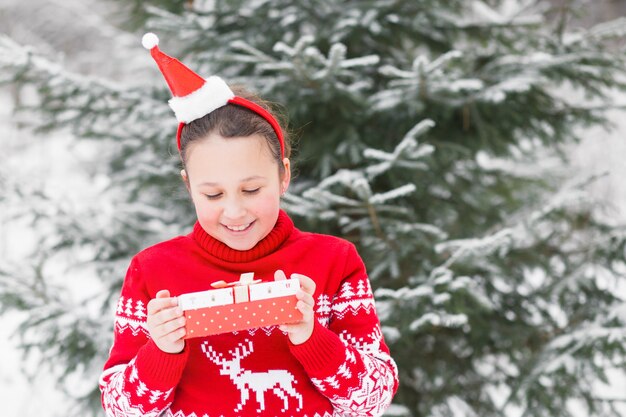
268 203
264 207
206 210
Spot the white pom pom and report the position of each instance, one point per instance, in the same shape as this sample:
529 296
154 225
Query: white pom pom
149 40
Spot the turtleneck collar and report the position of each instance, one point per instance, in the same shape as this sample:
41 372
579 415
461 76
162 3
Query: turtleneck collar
281 231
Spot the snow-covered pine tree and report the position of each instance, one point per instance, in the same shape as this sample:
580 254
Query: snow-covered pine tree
421 124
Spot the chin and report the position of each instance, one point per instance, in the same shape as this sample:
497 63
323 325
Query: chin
241 246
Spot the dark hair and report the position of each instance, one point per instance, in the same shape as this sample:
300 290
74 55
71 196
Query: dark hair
231 121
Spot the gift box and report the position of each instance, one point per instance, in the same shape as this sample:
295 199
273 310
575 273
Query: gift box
240 305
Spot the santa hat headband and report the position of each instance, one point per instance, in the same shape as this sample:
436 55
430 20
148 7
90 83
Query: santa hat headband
195 97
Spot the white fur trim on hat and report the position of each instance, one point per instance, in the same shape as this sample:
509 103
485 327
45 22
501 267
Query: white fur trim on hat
212 95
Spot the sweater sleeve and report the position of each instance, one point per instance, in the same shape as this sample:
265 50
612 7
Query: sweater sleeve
349 361
138 378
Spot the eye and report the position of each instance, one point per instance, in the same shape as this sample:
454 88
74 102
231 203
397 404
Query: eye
254 191
213 196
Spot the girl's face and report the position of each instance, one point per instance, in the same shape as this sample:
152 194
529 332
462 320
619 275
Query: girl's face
235 187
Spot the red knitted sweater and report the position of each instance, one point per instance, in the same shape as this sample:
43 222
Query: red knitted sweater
343 369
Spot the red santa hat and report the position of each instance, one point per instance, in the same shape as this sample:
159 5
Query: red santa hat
194 96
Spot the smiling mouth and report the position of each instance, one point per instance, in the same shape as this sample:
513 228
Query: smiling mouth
241 228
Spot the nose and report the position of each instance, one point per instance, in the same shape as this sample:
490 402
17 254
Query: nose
233 208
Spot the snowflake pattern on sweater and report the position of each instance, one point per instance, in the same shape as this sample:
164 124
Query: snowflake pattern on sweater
343 369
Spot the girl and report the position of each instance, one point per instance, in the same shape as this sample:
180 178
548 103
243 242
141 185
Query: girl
333 362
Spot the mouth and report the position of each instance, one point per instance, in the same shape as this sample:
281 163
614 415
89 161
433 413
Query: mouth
239 228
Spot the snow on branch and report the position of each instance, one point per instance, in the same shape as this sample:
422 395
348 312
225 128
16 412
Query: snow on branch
506 14
606 30
461 249
563 353
439 320
252 54
306 62
439 78
406 154
93 106
32 66
526 227
393 194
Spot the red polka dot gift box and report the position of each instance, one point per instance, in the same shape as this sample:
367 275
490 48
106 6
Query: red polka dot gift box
241 305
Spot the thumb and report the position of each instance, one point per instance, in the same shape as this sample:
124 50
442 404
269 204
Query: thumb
279 275
306 283
163 294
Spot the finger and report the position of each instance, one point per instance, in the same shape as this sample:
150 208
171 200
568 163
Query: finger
305 309
167 314
157 304
161 329
279 275
306 283
291 327
163 294
179 334
172 337
172 326
307 298
287 327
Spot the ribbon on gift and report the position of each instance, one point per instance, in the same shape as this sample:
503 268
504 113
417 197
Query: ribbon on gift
241 288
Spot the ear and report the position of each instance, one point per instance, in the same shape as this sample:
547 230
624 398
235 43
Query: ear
284 183
185 178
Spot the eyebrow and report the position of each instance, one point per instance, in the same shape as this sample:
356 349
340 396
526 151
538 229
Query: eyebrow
254 177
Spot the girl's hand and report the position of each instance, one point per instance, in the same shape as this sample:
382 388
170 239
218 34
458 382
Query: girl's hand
301 331
166 323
